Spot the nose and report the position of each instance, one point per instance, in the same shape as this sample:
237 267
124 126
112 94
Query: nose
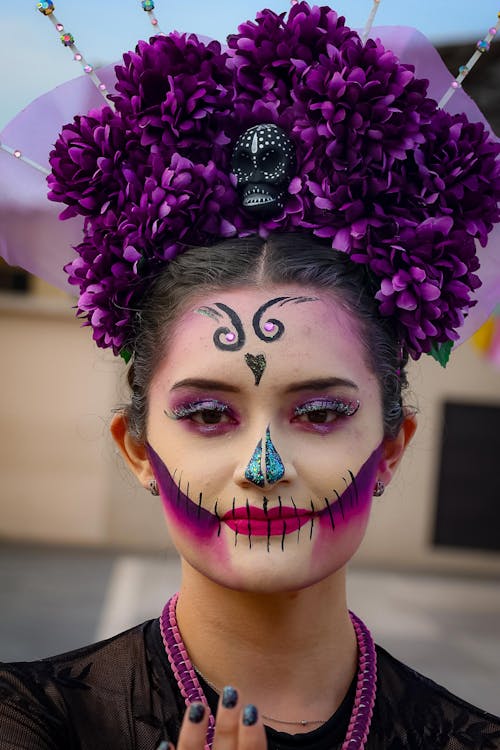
266 466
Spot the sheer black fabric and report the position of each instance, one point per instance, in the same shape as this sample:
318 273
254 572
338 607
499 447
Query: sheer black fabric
121 694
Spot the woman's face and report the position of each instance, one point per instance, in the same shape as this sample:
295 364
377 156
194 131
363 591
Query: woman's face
265 436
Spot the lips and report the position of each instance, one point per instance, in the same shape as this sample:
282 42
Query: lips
274 522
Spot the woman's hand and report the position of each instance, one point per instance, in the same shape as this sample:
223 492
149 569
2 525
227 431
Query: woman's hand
236 727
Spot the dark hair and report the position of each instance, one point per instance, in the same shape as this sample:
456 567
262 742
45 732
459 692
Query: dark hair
282 259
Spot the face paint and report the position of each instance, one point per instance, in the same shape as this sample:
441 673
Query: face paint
273 522
274 468
253 472
257 364
351 508
200 522
345 408
334 514
232 341
224 338
274 329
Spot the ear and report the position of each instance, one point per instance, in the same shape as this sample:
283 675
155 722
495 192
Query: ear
132 451
394 448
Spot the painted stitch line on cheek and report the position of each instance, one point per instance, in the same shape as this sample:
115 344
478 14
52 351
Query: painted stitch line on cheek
191 515
330 513
355 502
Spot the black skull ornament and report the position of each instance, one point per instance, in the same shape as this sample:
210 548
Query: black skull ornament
263 161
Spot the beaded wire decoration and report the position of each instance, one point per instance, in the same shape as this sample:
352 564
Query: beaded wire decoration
482 46
47 8
407 199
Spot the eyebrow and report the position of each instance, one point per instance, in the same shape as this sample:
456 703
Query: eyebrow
316 384
319 384
203 383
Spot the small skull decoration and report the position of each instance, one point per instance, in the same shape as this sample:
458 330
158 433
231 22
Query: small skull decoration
264 162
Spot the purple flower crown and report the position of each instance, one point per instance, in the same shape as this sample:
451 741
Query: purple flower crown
401 186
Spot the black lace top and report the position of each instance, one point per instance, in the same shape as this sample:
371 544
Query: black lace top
121 694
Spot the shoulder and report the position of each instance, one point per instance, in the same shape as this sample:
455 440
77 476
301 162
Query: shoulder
77 669
47 703
427 714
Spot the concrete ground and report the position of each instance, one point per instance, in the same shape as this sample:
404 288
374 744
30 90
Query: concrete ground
53 600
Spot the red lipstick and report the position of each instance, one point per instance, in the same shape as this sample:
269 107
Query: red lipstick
274 522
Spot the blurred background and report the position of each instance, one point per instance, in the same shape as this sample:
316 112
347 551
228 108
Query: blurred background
84 552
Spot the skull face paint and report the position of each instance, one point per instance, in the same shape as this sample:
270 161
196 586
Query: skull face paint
334 524
206 418
264 163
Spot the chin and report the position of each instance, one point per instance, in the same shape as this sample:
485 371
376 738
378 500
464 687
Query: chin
259 571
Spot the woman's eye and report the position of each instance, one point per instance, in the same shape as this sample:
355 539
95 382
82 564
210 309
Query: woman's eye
318 416
321 416
203 413
323 412
210 416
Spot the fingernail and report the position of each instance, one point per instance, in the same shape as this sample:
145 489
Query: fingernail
196 712
163 745
250 716
229 697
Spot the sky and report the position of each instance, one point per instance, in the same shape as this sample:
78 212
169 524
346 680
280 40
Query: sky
32 59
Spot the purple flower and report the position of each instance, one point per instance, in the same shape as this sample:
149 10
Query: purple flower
178 205
176 92
402 187
426 282
86 163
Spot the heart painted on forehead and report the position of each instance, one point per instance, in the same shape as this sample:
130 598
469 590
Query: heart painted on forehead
257 363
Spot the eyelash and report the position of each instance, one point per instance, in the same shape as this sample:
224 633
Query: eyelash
338 408
186 412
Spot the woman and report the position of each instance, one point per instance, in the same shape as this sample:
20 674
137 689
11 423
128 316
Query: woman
266 381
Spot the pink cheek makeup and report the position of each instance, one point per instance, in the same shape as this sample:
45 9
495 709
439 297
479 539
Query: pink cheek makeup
197 520
353 505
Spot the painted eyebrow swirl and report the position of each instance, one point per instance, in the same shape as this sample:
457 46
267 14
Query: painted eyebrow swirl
233 340
273 329
224 338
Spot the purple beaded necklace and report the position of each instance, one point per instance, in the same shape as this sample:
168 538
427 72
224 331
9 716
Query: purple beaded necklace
191 691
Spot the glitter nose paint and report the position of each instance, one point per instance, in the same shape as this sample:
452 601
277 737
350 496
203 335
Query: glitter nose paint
273 465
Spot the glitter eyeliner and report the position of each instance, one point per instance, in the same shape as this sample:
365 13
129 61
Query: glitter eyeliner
195 407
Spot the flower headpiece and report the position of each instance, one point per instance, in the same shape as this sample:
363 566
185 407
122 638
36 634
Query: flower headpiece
377 168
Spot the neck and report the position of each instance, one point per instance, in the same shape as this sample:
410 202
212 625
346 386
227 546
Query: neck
294 654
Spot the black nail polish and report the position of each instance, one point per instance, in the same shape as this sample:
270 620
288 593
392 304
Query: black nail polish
229 697
196 712
250 716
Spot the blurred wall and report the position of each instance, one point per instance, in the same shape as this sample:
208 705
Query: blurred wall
61 480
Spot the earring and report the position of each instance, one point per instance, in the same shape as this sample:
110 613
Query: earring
379 489
153 488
